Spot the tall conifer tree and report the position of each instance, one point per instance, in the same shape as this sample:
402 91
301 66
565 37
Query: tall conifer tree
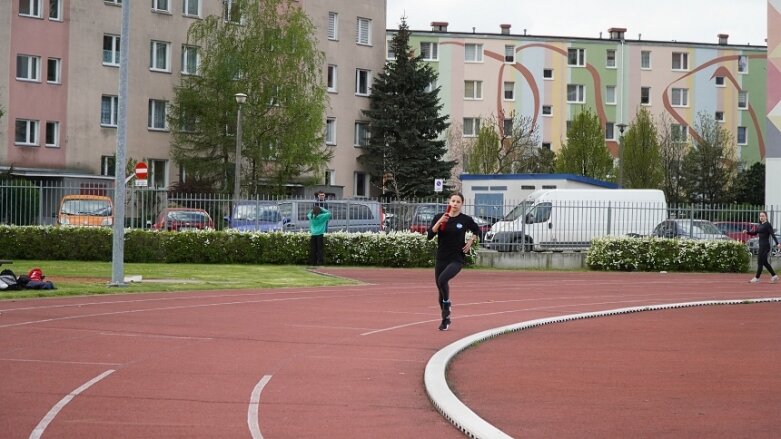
405 151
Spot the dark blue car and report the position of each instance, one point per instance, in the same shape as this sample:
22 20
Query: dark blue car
255 216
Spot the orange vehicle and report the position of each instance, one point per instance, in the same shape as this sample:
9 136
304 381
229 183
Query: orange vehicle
86 210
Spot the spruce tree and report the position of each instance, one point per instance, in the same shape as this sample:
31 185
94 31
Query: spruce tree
406 150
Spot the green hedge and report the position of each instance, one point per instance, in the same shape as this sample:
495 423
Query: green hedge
224 247
659 254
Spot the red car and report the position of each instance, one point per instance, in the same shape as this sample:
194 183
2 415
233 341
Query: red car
182 219
734 229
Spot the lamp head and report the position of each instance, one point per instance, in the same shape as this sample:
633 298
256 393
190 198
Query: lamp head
240 98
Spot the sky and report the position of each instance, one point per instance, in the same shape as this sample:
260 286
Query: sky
698 21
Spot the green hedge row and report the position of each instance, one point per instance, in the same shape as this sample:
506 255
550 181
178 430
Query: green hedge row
224 247
659 254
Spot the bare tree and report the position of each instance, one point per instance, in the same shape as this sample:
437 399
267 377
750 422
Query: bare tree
505 145
457 146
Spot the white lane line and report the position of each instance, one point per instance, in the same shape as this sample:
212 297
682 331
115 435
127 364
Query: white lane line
39 429
253 421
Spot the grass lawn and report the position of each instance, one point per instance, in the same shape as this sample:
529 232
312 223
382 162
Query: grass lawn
82 278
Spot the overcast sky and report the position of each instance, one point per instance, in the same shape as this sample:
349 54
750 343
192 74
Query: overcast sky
682 20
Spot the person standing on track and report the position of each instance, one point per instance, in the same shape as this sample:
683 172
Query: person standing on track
450 229
765 233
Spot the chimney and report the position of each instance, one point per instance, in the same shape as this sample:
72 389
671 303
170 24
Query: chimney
723 39
617 33
439 26
505 29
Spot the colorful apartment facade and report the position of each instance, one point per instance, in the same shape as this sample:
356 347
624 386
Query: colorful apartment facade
551 78
773 123
60 75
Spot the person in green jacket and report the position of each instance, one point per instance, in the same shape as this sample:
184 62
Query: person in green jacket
318 221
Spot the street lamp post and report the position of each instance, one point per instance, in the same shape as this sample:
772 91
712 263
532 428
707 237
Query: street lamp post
621 128
240 99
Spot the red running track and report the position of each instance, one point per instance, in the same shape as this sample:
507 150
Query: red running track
338 362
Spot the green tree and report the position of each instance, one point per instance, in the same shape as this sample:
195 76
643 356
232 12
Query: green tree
749 187
641 156
709 167
585 152
483 156
267 50
405 151
506 145
673 149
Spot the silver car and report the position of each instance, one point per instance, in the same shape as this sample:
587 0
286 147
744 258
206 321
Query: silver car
688 229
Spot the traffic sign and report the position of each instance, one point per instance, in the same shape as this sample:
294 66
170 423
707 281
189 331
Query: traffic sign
438 184
142 172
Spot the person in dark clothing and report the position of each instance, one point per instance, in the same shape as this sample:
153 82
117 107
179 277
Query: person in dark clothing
765 233
320 202
450 229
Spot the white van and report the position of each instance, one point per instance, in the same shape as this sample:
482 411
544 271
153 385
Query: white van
568 219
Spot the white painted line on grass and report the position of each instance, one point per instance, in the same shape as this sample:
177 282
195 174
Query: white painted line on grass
41 427
467 421
253 415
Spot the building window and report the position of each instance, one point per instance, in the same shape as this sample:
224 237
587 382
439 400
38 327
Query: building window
719 116
680 97
719 80
610 132
158 56
330 177
742 64
610 94
28 67
576 93
30 8
432 86
507 126
473 52
331 78
158 173
191 60
157 119
389 54
361 137
231 12
547 110
680 61
362 82
53 70
742 136
743 100
645 59
610 59
108 165
111 50
473 89
191 8
509 91
52 134
109 110
363 31
26 132
645 95
55 10
576 57
471 126
113 2
333 26
361 184
547 74
678 133
330 131
160 5
546 145
429 51
509 53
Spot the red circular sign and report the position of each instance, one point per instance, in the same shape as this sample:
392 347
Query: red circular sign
141 171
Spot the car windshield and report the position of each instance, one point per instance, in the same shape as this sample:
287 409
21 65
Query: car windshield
258 212
425 214
518 211
86 207
188 216
706 228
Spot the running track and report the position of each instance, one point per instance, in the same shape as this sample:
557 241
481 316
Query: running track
335 362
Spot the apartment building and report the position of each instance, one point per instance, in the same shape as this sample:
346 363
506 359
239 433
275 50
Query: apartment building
60 98
550 79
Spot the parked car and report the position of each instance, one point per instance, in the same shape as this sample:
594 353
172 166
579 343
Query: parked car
86 210
753 245
688 229
734 229
255 216
182 219
411 217
483 224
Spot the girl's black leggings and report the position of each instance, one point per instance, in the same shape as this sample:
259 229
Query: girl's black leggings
763 262
443 272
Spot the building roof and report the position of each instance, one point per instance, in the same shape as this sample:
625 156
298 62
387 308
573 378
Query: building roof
570 177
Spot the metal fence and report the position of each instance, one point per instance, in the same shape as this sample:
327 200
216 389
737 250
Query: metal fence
566 226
